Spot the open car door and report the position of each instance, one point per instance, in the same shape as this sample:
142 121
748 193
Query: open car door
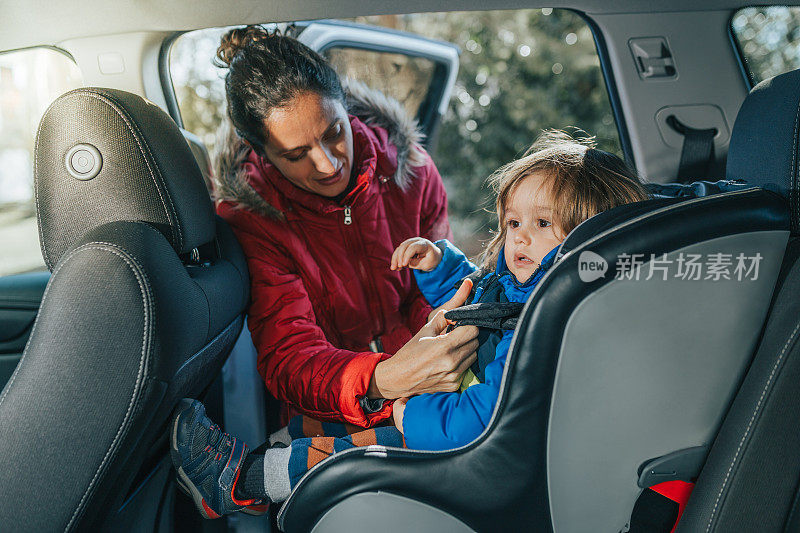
418 72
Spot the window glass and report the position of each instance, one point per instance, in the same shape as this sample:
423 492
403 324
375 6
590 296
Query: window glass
404 78
29 81
769 40
199 84
520 72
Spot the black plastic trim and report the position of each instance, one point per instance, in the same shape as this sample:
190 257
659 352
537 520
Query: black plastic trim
611 88
23 291
741 60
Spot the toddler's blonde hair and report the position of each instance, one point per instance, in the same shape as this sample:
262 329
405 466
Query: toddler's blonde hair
581 179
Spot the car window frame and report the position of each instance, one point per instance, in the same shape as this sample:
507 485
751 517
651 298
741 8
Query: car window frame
611 87
601 48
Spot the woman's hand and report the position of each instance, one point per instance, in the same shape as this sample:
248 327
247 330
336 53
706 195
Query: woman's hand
416 253
458 299
432 361
398 408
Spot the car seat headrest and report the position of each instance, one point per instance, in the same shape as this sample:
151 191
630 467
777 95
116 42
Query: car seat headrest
764 143
105 155
593 226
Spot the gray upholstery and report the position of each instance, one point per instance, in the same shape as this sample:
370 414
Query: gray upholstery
147 172
126 327
368 512
649 367
750 478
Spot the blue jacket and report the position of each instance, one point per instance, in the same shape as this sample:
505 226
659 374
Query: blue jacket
447 420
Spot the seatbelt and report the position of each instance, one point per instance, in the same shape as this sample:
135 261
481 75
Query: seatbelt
697 155
659 508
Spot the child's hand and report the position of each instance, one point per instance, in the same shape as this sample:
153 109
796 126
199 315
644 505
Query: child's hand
398 408
416 253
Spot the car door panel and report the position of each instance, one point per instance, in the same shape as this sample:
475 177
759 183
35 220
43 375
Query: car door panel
20 297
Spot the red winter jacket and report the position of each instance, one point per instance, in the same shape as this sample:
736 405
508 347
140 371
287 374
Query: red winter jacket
321 288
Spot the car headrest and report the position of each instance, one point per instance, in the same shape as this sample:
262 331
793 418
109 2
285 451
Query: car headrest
105 155
621 215
764 143
606 220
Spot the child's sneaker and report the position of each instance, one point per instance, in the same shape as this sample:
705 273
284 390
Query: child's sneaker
260 508
208 462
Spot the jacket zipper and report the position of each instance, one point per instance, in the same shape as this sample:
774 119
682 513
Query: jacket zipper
367 289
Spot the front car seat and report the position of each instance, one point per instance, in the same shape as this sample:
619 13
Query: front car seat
605 374
751 480
145 301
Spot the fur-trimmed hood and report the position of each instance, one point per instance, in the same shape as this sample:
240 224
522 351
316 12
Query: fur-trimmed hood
368 105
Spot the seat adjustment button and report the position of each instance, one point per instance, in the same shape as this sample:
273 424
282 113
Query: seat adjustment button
83 161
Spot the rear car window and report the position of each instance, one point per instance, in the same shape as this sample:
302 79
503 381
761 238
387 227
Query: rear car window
29 81
520 71
768 39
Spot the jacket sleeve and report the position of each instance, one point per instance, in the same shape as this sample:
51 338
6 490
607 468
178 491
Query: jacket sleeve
439 285
298 364
448 420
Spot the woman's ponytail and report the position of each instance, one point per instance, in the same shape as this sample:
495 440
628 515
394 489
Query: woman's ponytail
237 39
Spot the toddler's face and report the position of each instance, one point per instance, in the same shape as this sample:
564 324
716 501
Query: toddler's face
530 230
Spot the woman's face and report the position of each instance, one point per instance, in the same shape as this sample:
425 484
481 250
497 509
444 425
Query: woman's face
311 143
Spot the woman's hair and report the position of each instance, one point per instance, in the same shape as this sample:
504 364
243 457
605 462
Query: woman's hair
267 70
581 179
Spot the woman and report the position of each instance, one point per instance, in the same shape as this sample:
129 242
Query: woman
319 199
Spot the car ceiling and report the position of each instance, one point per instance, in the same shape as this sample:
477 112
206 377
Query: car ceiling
26 23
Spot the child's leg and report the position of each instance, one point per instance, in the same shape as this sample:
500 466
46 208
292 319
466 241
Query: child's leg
217 471
276 473
305 426
207 461
308 452
302 426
